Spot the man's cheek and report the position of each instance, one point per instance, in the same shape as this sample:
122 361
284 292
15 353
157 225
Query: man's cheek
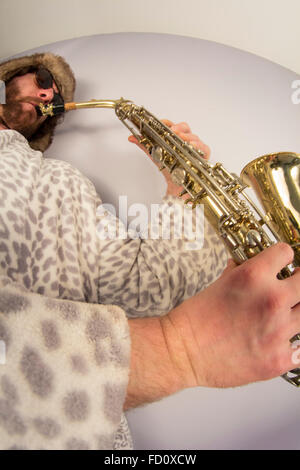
15 115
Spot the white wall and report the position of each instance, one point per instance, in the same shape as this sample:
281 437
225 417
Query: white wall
269 28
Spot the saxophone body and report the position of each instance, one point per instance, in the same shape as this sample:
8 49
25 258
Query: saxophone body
245 229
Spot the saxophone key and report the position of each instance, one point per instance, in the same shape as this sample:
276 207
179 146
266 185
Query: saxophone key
178 176
157 154
253 238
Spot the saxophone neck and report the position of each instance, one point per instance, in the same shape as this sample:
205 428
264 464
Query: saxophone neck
56 109
94 104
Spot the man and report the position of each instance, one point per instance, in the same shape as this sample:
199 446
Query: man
73 360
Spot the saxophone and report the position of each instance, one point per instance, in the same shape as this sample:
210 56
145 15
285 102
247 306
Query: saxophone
240 223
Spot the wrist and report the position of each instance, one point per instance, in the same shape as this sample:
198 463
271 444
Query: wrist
189 331
159 364
177 335
200 337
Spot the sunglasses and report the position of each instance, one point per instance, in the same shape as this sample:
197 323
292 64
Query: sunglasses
45 80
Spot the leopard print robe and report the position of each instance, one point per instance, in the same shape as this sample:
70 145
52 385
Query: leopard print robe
65 295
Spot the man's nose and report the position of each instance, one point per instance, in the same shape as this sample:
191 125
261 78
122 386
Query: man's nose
46 95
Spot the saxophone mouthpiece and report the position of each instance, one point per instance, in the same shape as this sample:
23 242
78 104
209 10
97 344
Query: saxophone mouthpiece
50 109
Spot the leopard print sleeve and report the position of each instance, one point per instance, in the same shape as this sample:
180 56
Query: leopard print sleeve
63 372
150 274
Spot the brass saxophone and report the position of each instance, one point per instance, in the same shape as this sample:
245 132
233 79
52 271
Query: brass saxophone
242 226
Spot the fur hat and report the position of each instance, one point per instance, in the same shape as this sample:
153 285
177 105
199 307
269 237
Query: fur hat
64 79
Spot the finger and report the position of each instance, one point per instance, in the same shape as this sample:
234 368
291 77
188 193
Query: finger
293 350
198 145
205 149
181 127
191 138
272 259
188 136
294 322
167 122
133 139
293 283
292 360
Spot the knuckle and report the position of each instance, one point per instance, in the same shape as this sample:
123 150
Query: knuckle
279 363
274 302
271 361
247 275
286 249
185 127
274 365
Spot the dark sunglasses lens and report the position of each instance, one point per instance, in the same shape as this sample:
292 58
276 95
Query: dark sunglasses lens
44 78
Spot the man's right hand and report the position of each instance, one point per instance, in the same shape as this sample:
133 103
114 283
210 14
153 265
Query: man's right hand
234 332
237 330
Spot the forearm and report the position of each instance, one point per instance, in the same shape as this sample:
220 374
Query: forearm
160 364
149 277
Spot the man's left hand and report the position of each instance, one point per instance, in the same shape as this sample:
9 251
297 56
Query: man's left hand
183 131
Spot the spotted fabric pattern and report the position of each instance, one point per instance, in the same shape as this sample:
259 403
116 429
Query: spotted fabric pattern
46 402
65 295
151 276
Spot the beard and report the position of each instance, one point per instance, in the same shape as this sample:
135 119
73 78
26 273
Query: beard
15 118
17 115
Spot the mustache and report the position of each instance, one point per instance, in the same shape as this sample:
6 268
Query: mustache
31 99
25 99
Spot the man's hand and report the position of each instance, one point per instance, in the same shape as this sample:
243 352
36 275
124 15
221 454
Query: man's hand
237 330
234 332
183 130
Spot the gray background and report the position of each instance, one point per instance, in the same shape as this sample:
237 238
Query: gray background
241 106
268 28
